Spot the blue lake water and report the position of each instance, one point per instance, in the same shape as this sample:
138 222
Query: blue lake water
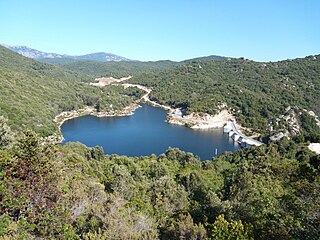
143 133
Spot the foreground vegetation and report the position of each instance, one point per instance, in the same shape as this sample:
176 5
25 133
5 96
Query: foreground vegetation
75 192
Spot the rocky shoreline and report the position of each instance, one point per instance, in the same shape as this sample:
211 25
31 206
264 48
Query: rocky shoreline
89 110
194 120
199 120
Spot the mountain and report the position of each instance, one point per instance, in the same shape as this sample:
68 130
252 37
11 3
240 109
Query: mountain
57 58
116 69
101 57
206 58
32 53
125 68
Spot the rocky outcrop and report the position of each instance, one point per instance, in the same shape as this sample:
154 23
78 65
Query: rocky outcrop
284 125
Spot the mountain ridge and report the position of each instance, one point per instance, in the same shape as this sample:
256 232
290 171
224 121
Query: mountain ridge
56 58
50 57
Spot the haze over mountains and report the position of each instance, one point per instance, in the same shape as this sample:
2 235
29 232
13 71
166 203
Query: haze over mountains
60 58
56 58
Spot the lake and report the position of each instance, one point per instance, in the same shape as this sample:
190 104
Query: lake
143 133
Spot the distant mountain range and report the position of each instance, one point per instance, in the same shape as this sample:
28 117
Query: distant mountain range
55 58
63 58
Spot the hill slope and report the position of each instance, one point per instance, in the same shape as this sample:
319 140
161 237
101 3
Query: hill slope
121 69
116 69
75 192
257 92
32 93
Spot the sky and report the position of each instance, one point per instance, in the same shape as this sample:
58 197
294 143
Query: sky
147 30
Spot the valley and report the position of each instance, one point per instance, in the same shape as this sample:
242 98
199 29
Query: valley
268 191
159 120
175 116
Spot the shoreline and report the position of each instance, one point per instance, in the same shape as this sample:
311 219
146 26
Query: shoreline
195 121
88 110
199 121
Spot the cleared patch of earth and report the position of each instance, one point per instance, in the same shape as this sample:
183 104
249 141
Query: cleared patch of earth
101 82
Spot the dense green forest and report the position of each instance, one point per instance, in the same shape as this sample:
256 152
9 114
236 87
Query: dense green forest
115 69
256 92
75 192
33 93
125 68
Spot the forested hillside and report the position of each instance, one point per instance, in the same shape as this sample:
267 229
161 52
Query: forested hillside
125 68
74 192
33 93
258 93
115 69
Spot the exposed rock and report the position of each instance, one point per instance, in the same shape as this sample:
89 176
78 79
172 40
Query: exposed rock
291 127
315 147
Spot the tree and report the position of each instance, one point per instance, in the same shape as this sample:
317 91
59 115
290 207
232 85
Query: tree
6 135
29 191
184 228
97 153
221 229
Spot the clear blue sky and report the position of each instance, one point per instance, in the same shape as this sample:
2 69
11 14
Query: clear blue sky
262 30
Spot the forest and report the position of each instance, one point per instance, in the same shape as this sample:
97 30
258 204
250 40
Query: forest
75 192
123 69
257 93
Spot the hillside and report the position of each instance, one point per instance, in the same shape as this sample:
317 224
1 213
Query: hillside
207 58
116 69
121 69
75 192
33 93
257 93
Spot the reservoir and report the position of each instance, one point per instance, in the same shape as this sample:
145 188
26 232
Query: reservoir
144 133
